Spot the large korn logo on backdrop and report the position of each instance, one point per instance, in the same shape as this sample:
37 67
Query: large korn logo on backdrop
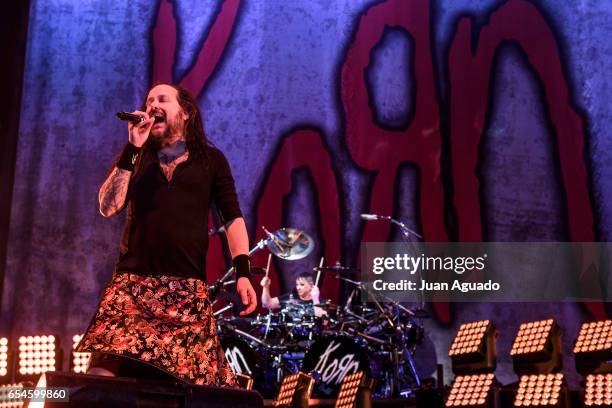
383 150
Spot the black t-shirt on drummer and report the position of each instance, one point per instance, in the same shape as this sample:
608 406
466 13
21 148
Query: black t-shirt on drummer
292 298
166 229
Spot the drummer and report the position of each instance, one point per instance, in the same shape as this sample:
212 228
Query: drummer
305 293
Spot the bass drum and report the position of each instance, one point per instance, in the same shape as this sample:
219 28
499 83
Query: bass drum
240 356
244 358
331 358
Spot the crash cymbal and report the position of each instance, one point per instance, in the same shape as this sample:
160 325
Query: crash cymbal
290 244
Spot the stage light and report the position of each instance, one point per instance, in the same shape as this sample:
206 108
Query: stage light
79 360
5 401
355 391
598 390
593 348
295 391
244 381
471 391
537 348
37 354
542 390
473 349
4 361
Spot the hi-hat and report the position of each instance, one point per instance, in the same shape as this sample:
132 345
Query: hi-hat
290 243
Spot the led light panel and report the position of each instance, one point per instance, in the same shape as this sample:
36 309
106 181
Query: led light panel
532 337
473 349
537 348
5 401
469 338
598 390
37 354
349 394
470 390
80 360
4 358
290 385
542 390
593 348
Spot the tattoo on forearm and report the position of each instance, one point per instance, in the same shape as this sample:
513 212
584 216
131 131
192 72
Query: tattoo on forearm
114 191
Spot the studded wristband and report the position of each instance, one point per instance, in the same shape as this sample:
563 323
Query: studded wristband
128 157
242 266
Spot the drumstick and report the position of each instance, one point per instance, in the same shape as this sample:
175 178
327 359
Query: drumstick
268 266
319 271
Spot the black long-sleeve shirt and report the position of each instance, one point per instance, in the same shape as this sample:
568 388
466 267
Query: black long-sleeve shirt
166 230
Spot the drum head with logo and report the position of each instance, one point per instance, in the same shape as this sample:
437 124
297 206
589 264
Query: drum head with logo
330 359
240 356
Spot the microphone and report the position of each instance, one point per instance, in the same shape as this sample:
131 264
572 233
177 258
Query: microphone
370 217
130 117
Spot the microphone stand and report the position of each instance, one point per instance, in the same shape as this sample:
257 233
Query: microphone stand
407 235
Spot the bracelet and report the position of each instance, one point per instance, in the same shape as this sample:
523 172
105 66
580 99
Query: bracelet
128 157
242 266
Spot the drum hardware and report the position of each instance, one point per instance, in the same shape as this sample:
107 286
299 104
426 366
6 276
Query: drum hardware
381 338
391 321
406 234
223 309
367 337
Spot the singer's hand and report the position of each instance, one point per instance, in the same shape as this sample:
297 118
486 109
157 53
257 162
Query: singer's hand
139 133
247 295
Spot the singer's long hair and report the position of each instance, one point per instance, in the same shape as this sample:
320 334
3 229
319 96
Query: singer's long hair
195 137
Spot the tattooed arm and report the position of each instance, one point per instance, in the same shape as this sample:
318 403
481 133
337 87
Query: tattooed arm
114 191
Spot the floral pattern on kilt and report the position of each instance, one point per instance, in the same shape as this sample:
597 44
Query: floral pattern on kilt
161 320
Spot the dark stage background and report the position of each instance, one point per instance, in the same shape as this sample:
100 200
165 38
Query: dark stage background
468 119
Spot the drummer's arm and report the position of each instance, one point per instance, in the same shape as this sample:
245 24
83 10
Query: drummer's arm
318 311
267 301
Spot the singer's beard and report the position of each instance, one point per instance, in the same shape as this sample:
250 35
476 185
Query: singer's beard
161 139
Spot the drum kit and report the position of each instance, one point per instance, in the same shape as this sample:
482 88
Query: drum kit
379 338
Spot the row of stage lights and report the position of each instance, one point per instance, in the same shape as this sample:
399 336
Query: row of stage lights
537 359
36 355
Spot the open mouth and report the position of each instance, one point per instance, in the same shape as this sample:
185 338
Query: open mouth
160 117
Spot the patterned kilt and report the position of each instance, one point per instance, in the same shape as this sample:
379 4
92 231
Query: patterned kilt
160 320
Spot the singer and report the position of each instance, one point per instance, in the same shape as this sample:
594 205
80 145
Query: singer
155 309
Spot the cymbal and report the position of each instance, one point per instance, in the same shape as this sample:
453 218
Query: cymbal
290 244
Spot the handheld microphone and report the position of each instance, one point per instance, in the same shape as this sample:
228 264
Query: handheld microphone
130 117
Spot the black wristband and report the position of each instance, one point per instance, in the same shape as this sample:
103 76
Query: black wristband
242 266
128 157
